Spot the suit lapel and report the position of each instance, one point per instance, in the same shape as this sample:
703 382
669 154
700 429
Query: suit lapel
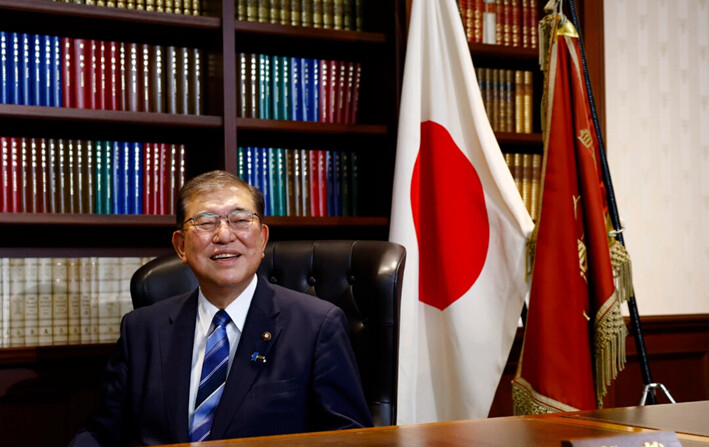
176 341
244 371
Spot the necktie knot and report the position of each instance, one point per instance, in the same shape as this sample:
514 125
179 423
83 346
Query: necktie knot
221 318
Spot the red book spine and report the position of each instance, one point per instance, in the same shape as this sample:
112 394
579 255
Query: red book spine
155 193
67 72
93 73
525 24
102 93
322 182
324 81
355 92
43 187
478 10
79 74
144 89
147 178
111 88
314 184
4 174
532 24
341 86
349 86
332 91
15 175
164 179
26 176
122 68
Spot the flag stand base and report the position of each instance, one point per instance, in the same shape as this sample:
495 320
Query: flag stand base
650 388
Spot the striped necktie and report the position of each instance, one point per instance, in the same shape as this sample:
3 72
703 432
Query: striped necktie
211 384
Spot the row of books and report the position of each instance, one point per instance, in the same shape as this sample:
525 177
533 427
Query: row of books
48 175
526 170
60 301
327 14
500 22
302 182
508 96
186 7
44 70
298 89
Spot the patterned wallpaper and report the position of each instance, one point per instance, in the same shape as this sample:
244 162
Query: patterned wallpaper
657 137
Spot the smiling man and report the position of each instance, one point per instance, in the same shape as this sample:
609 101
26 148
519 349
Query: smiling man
236 357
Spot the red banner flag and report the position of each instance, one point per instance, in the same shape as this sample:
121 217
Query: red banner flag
574 340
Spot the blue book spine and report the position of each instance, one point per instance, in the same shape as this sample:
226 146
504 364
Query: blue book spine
285 92
125 179
329 179
135 176
13 70
272 181
263 172
37 64
296 95
4 68
46 73
282 182
57 85
117 178
314 90
108 190
25 70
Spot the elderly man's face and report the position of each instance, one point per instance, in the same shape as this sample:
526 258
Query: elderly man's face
224 260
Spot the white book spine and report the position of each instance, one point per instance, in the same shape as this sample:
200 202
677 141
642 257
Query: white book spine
128 266
31 307
108 305
74 302
5 303
60 312
93 280
44 301
85 271
17 302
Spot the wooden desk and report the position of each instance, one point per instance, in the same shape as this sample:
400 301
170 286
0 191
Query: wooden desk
530 431
687 417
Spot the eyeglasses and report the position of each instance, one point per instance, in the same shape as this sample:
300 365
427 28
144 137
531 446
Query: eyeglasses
238 220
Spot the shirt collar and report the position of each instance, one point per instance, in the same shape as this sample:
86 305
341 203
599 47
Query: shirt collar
237 310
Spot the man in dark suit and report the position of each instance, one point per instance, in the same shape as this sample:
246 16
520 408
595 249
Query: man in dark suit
275 361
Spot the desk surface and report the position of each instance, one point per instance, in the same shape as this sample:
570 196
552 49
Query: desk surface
686 417
530 431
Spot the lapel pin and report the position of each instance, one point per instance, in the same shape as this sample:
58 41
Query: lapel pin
255 357
266 336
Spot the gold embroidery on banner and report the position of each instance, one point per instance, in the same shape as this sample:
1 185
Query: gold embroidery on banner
583 260
585 138
576 205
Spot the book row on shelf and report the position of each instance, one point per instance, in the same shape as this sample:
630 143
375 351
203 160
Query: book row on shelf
47 175
298 89
60 301
327 14
508 98
500 22
44 70
302 182
526 170
187 7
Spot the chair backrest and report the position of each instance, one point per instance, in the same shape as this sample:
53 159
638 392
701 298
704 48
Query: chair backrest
363 278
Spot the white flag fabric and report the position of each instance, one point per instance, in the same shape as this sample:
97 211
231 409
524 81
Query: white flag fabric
456 209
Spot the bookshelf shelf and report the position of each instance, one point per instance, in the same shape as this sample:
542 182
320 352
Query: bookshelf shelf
261 125
119 118
308 33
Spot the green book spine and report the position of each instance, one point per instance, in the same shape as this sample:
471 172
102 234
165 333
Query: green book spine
98 178
355 183
107 190
285 96
317 13
241 10
306 13
276 88
295 12
241 163
328 13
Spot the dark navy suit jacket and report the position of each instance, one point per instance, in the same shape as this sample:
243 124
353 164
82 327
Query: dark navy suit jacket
305 380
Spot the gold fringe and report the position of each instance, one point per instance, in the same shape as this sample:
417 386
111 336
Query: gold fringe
622 271
531 251
609 345
527 401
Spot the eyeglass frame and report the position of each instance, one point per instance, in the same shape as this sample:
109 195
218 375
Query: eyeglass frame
251 214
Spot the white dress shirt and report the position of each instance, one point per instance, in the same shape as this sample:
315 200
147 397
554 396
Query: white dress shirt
237 311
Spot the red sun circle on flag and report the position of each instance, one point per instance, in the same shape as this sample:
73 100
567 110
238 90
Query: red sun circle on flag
450 217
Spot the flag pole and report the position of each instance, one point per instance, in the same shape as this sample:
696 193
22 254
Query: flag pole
650 386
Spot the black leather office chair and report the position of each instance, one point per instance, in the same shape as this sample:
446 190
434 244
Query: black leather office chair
363 278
